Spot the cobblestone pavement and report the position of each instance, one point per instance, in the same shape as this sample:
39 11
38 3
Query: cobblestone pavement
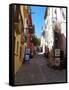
37 72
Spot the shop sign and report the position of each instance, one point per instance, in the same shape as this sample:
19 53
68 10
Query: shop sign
57 52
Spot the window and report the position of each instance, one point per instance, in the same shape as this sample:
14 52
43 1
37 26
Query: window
14 43
16 11
17 46
46 36
20 51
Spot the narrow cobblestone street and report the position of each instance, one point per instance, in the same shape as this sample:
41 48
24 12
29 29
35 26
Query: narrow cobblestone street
37 71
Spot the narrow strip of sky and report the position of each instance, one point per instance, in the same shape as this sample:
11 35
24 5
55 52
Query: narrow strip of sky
38 13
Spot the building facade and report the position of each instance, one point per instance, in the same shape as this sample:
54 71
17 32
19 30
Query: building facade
23 34
31 31
55 31
20 24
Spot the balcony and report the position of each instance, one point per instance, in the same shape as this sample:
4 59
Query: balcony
31 29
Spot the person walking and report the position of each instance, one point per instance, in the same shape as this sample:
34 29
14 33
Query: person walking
27 55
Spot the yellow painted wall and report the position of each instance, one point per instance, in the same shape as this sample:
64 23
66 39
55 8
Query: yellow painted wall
17 61
25 11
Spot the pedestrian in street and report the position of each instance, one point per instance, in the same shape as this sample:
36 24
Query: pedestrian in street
27 55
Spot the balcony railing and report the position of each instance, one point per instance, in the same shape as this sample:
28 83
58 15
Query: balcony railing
31 29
